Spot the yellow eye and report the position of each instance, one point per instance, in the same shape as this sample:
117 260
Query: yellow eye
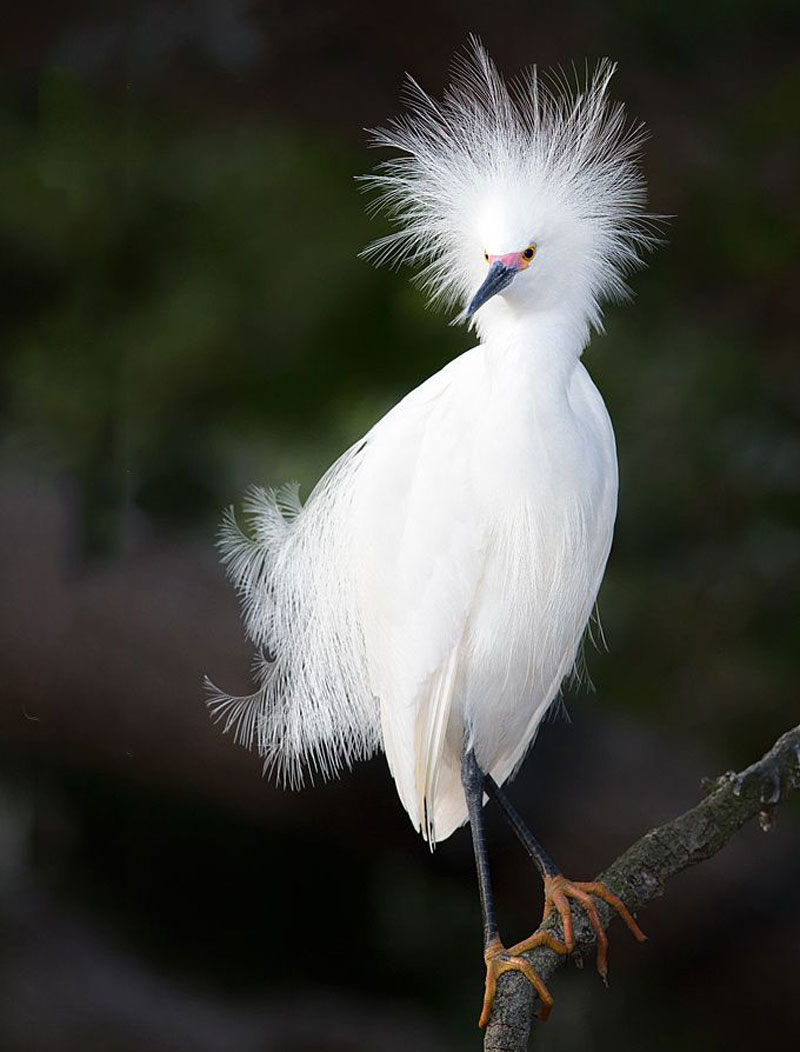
486 256
529 253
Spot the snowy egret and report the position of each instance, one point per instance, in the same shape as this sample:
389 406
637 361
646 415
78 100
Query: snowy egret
431 595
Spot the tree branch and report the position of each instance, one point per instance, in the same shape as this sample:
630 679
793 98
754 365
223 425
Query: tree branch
639 875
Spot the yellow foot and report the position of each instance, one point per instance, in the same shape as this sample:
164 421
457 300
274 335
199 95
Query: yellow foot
499 959
557 892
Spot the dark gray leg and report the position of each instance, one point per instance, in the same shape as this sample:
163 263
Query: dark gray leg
474 782
557 890
498 959
542 861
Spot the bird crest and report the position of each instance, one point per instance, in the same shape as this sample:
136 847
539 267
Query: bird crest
547 163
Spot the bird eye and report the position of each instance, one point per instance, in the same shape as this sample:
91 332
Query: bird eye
529 252
486 256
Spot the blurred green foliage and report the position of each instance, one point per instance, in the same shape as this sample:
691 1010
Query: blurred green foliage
174 295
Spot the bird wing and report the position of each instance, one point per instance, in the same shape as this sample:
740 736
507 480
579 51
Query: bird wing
420 549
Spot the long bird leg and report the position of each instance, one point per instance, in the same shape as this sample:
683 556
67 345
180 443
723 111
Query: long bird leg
558 890
498 959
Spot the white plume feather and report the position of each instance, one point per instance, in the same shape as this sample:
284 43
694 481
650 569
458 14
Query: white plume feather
313 709
553 146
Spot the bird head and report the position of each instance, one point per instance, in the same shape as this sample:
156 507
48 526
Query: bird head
515 200
534 255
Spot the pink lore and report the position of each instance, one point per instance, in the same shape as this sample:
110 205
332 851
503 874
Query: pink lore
511 259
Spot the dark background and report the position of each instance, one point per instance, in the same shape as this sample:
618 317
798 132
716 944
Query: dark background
182 314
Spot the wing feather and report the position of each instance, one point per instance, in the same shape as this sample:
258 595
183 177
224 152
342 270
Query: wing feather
422 551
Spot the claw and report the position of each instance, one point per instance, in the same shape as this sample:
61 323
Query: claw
558 890
499 959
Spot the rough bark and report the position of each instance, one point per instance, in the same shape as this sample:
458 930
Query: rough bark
640 874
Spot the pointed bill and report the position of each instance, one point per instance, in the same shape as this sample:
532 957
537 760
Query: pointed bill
499 277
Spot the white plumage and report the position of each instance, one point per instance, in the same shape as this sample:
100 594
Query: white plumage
433 591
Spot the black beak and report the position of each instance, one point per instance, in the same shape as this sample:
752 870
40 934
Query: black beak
499 277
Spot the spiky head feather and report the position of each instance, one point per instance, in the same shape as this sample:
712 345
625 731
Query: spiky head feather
494 166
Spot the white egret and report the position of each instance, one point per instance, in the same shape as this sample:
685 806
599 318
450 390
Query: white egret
432 593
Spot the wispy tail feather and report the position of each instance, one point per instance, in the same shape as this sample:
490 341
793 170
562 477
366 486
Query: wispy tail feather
292 568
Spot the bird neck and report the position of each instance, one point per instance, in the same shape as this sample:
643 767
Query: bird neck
548 342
